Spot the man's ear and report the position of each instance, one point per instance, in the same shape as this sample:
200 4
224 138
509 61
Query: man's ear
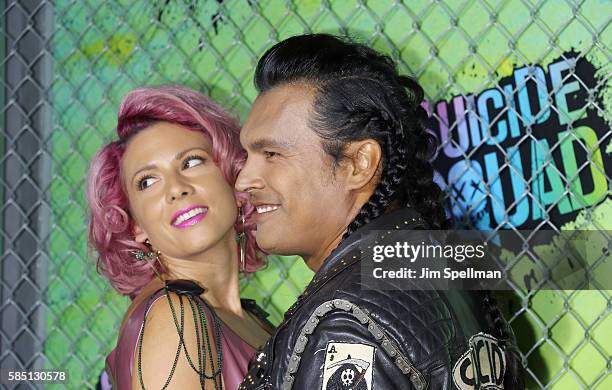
363 158
139 234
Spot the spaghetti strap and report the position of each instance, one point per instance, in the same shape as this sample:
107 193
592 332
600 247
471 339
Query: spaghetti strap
120 361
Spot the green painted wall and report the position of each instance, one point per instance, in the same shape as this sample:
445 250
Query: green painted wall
105 48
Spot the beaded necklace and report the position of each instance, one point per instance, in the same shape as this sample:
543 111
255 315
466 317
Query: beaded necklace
191 291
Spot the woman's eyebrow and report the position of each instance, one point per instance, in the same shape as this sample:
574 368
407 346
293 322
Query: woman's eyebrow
145 168
180 155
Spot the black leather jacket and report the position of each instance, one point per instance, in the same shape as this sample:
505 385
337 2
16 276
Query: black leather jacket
340 335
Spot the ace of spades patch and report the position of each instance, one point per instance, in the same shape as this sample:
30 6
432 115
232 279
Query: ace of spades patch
348 366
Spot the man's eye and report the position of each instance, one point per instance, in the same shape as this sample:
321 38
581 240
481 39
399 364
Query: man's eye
193 161
269 154
145 182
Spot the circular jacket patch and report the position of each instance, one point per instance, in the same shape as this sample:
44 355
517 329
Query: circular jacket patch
484 363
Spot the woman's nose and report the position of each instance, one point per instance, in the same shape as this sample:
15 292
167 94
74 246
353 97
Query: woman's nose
179 189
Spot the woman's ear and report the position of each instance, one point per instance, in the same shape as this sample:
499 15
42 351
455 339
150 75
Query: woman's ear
363 161
139 234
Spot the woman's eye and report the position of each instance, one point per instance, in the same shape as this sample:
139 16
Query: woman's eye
146 182
193 161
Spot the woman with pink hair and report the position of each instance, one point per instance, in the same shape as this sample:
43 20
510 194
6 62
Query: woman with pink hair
171 233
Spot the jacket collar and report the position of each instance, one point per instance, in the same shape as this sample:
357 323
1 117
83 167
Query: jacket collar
404 218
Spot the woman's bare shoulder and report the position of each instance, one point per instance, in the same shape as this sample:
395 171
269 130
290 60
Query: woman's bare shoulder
160 343
144 294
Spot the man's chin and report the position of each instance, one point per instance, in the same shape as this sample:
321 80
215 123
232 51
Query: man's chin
272 245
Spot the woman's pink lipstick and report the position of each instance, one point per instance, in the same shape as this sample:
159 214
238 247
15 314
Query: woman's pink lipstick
189 216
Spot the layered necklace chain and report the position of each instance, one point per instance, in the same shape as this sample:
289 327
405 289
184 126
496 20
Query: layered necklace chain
199 319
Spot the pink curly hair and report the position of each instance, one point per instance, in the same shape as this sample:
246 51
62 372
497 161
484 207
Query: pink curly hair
111 225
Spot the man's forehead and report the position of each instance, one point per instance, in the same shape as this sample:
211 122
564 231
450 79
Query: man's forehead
281 113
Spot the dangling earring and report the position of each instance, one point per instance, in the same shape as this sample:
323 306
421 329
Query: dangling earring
150 257
242 241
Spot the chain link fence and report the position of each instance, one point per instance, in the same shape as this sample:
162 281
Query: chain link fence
519 93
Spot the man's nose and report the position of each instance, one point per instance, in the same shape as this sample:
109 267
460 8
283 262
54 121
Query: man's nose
249 178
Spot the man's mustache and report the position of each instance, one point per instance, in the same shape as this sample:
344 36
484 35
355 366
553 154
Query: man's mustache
259 199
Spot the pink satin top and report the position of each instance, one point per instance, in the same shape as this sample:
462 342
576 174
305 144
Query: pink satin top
119 363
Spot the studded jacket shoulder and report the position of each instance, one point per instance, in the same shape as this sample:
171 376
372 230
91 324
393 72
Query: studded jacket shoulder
341 335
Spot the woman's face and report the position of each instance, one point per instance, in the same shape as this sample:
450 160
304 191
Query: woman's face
178 196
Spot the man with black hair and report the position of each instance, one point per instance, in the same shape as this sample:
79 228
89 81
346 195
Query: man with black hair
337 149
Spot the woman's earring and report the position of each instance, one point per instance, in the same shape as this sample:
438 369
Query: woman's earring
150 257
242 241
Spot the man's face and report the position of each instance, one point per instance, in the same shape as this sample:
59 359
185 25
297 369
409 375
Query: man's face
301 205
